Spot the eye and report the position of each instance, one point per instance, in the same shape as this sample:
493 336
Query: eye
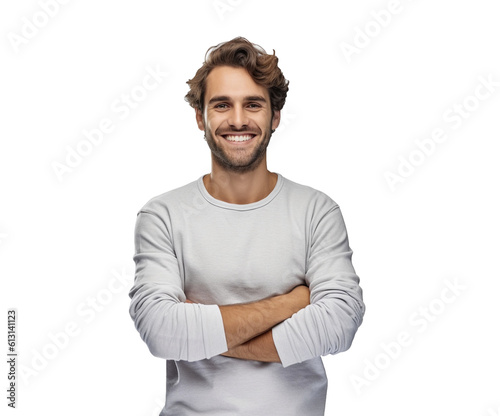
221 106
254 105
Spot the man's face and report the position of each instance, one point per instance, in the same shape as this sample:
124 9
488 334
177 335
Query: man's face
237 119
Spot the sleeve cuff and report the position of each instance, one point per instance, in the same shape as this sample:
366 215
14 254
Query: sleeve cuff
285 350
213 328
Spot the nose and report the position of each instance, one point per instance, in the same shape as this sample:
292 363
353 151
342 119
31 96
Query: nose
238 117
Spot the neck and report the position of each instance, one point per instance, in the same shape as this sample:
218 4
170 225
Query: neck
240 188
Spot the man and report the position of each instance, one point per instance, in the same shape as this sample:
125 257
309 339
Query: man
243 278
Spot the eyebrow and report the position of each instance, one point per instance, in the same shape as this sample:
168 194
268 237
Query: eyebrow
227 98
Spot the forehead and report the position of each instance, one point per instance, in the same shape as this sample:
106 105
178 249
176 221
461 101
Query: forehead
235 83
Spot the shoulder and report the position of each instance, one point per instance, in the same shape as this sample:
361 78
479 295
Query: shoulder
308 196
170 200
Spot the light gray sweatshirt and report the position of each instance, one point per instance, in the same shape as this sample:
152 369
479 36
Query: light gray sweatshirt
191 245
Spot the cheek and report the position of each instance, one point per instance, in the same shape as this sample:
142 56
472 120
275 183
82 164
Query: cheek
215 123
266 123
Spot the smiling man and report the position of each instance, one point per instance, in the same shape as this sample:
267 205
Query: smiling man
243 278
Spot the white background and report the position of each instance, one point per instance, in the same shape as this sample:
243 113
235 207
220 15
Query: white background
348 120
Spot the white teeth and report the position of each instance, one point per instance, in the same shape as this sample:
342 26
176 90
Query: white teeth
238 138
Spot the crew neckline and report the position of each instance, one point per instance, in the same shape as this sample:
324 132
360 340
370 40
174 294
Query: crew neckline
240 207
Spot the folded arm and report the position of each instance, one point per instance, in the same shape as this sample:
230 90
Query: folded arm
246 321
248 326
171 328
329 324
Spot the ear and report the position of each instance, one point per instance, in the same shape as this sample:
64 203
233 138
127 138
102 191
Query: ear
199 120
276 119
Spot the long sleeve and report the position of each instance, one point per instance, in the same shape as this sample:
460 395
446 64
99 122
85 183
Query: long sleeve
329 323
171 329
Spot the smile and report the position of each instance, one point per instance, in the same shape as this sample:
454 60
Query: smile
238 138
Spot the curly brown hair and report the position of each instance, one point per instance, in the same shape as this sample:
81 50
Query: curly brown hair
239 52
